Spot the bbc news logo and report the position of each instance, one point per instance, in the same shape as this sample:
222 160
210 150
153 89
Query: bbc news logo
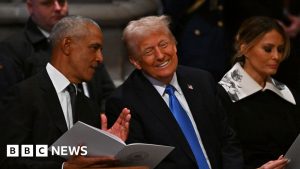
44 150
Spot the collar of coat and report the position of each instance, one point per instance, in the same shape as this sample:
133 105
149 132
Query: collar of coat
239 84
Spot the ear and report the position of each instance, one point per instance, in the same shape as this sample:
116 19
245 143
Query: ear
243 48
29 6
65 45
135 62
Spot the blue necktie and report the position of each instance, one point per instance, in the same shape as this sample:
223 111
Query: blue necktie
187 128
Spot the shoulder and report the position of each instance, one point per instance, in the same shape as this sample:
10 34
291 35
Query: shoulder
195 76
196 73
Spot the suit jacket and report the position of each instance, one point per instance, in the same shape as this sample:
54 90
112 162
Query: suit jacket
8 73
152 121
31 114
31 51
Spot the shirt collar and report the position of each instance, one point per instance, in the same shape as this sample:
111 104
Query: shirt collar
160 86
59 81
45 33
239 84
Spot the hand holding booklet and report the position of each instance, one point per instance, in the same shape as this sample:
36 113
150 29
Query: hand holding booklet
102 143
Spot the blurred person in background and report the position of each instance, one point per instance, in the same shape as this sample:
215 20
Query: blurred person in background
199 30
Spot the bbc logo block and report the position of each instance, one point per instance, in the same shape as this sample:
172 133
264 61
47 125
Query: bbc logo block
27 151
12 150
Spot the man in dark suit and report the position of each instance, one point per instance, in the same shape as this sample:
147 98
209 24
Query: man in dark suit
30 49
40 109
152 50
8 73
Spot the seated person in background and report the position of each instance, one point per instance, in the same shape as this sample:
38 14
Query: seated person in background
30 49
206 141
41 109
261 110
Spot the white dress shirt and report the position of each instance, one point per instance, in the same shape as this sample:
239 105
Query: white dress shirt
60 83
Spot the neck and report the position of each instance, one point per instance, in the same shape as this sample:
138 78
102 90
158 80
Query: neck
260 79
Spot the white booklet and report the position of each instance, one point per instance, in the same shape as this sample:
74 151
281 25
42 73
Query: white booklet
293 154
101 143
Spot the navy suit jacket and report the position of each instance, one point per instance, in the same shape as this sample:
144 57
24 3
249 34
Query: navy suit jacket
31 114
152 121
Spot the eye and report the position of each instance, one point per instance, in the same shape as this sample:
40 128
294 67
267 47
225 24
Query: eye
61 2
96 47
280 49
163 44
148 51
267 49
50 2
47 2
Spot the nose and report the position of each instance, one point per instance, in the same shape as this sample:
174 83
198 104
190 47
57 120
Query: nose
99 57
57 5
277 55
158 53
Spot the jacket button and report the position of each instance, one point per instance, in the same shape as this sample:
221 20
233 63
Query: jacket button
197 32
220 23
220 7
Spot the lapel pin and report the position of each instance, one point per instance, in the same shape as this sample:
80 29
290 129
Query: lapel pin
190 87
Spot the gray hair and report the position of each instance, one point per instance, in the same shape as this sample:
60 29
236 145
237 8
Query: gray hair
143 27
72 26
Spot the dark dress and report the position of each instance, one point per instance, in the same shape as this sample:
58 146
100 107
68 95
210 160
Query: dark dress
265 123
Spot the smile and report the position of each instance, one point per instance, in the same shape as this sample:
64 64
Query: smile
164 64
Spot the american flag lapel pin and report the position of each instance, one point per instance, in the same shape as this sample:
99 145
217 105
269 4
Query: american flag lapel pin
190 87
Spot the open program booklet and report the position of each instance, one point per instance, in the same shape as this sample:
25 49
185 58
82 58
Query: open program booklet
293 154
102 143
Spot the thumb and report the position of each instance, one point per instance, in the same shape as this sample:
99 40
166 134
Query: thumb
103 121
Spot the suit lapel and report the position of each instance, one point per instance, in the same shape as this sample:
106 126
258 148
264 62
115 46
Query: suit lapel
157 106
192 94
53 104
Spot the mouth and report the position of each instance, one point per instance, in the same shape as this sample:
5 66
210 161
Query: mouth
273 66
163 64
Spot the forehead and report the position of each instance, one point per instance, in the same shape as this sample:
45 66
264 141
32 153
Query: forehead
47 3
93 33
153 37
273 37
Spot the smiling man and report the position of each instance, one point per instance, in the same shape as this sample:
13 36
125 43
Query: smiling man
170 104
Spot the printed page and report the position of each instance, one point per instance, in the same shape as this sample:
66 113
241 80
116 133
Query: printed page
143 154
98 142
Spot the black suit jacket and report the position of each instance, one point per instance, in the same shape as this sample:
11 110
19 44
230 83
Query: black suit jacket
152 121
31 51
31 114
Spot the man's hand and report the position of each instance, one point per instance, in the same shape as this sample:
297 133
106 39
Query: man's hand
82 162
120 127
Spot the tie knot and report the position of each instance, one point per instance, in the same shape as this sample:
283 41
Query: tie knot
72 88
170 90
